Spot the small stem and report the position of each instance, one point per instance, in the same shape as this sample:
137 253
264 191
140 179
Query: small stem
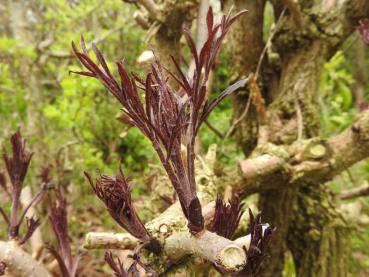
6 218
355 192
35 201
215 130
267 44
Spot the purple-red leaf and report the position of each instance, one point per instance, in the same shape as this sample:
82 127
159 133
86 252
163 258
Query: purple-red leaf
210 19
59 259
101 59
256 253
59 221
191 45
32 225
116 266
209 107
235 17
226 217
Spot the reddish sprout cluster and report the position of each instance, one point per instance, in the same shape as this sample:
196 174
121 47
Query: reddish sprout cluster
116 266
164 117
225 221
59 221
16 166
227 216
261 235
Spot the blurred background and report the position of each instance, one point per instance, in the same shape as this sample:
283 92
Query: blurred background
72 124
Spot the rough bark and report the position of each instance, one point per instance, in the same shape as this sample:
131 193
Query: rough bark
169 23
322 228
245 47
296 109
19 263
361 75
318 234
310 34
305 164
171 231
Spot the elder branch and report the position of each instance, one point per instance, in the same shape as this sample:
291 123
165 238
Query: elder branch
314 160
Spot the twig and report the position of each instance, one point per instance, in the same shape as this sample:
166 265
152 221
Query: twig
64 146
351 177
6 218
150 6
257 71
238 120
103 37
355 192
351 43
35 200
300 122
6 89
215 130
267 44
141 20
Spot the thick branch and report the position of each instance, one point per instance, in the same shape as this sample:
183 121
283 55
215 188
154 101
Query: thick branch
171 231
314 161
207 245
352 145
100 240
19 263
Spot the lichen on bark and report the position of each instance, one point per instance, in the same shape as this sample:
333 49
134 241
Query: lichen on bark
320 245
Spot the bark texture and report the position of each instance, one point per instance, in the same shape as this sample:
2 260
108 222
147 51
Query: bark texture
19 263
245 47
306 218
318 234
168 26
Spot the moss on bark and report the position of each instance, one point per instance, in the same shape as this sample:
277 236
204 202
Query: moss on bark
318 235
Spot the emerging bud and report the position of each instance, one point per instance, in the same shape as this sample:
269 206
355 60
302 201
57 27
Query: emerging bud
117 267
115 192
226 217
260 238
18 163
59 221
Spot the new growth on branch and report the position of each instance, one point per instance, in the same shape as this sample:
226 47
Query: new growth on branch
171 118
